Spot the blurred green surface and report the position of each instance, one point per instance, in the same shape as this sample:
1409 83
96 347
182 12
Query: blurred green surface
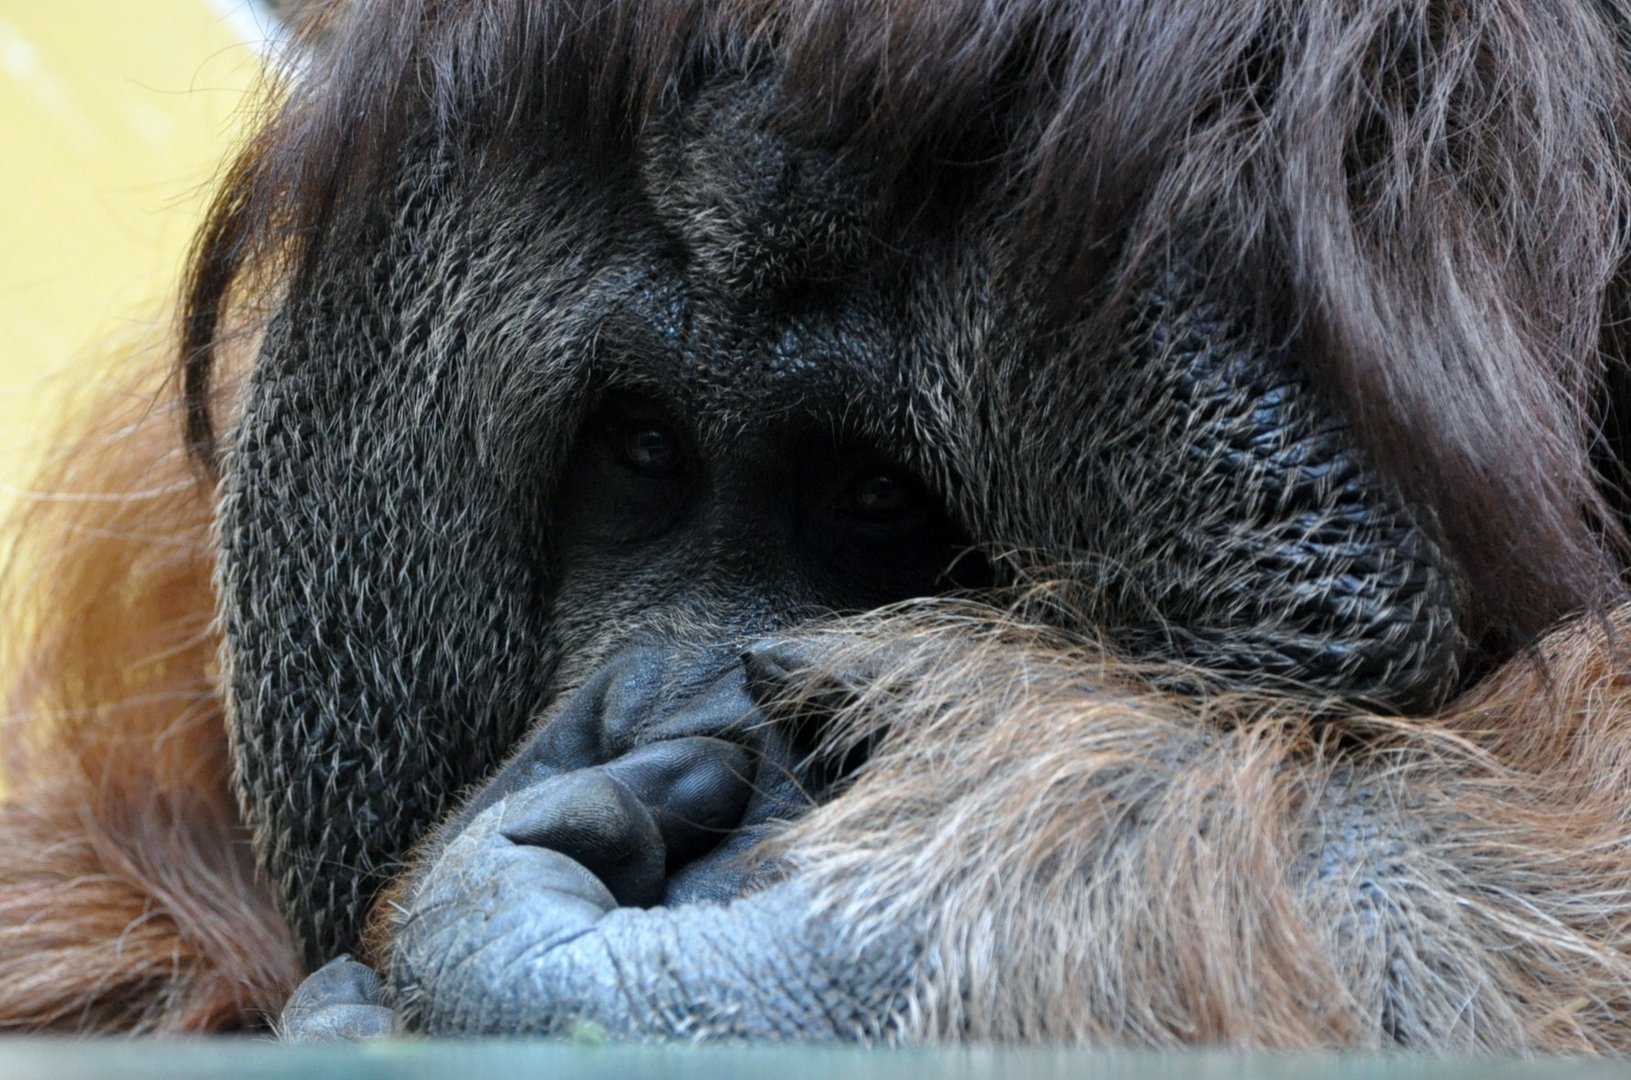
27 1059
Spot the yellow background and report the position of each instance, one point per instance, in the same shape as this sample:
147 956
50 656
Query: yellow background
114 117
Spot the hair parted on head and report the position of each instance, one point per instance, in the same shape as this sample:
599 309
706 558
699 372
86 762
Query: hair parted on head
1426 201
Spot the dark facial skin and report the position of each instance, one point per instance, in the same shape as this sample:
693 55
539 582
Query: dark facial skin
520 500
675 505
670 524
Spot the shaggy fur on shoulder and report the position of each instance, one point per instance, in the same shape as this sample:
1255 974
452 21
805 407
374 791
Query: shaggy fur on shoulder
128 899
1122 866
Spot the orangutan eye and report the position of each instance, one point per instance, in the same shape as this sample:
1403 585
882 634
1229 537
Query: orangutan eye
640 437
883 495
649 448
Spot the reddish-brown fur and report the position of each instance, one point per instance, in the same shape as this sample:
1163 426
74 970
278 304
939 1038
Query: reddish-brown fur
127 893
1120 865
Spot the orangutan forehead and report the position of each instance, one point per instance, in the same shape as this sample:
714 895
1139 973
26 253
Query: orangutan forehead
753 210
886 106
879 86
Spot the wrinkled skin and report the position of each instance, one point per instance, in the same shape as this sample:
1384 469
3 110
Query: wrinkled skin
573 866
457 554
